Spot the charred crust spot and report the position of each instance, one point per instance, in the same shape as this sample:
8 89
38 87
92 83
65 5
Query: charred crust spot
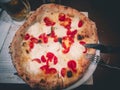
92 33
69 74
27 51
49 34
60 40
66 7
51 13
39 41
27 78
80 37
87 36
42 81
21 35
24 43
70 15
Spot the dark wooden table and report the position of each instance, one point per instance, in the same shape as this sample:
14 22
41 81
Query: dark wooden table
106 15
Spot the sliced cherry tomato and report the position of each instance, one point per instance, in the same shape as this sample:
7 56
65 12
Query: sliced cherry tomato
48 21
61 17
55 60
72 65
31 45
55 39
73 33
50 55
44 68
51 71
37 60
68 32
43 59
82 42
52 33
80 23
44 37
66 50
34 40
27 36
63 72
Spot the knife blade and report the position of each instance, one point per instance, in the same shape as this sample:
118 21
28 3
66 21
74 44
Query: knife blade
103 48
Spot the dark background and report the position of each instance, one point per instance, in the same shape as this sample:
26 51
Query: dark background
106 14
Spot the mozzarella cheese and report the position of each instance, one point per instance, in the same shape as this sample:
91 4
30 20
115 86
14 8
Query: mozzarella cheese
76 51
38 28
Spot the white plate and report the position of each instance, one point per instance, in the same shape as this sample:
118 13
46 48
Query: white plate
88 73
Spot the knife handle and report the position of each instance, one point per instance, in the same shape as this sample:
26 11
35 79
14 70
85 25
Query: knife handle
110 49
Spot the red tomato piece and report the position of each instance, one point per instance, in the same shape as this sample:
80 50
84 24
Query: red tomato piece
48 21
37 60
34 40
85 51
43 59
68 32
51 71
44 37
63 72
55 60
62 17
68 26
55 39
31 45
64 45
72 65
73 33
80 23
52 33
66 50
27 36
50 55
44 67
82 42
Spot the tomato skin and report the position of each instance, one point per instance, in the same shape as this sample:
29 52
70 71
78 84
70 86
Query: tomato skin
43 59
50 55
83 43
44 38
37 60
48 21
55 60
34 40
27 36
31 45
72 65
61 17
80 23
44 68
51 71
66 50
63 72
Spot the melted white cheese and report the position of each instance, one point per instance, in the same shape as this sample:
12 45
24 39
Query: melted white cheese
60 31
38 28
76 51
37 51
74 24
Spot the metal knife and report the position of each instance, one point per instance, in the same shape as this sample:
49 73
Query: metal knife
103 48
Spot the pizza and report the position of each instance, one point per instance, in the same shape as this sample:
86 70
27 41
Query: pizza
48 49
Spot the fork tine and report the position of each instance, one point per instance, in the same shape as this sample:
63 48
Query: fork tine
93 58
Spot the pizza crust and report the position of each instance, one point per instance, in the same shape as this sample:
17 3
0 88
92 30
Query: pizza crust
20 57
